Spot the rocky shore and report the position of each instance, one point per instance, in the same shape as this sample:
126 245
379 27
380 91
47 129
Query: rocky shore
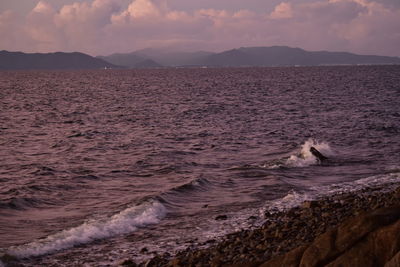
338 230
360 228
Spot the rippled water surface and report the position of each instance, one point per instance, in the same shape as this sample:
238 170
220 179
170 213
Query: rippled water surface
97 165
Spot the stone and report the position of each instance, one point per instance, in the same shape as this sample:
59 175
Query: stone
129 263
291 259
378 248
144 250
221 217
309 204
10 260
175 263
370 239
394 262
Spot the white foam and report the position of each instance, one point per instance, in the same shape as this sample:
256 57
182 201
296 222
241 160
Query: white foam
306 158
302 159
126 221
294 198
347 187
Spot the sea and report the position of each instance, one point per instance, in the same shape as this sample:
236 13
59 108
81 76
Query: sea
101 166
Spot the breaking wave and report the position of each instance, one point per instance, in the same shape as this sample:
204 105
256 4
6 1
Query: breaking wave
128 220
124 222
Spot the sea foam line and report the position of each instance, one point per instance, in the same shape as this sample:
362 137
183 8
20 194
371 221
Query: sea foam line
295 198
124 222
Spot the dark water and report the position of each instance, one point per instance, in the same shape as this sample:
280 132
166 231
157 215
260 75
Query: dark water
96 165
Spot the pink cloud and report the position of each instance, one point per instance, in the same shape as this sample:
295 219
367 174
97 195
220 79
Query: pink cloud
40 26
282 11
106 26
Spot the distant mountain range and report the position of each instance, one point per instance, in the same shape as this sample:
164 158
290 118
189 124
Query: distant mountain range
247 56
58 60
157 58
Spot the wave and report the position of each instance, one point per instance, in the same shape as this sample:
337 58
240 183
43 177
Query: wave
149 211
126 221
295 198
199 184
31 196
21 203
178 196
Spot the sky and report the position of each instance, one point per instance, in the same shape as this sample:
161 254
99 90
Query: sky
103 27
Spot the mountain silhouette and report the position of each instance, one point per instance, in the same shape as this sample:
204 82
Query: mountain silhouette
155 58
251 57
58 60
287 56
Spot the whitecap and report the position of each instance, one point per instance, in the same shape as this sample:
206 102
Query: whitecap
124 222
306 158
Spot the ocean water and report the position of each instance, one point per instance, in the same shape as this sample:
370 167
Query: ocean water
100 166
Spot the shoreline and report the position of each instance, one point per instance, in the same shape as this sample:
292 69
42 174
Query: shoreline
282 231
279 234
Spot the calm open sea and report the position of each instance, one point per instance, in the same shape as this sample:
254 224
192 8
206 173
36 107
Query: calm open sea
97 165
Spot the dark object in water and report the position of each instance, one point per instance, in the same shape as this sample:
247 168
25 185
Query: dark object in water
317 154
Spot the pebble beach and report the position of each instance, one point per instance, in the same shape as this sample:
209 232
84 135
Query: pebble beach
285 231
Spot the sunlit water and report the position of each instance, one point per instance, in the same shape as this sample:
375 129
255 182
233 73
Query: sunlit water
97 165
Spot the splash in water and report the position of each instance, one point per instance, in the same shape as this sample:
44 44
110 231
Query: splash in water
306 158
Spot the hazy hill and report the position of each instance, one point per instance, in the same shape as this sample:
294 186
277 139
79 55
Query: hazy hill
249 56
147 64
159 57
174 58
130 60
155 58
58 60
287 56
234 57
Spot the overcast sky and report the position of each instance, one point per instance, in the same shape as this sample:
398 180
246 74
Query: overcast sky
103 27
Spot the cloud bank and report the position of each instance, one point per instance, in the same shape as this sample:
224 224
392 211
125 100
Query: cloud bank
106 26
